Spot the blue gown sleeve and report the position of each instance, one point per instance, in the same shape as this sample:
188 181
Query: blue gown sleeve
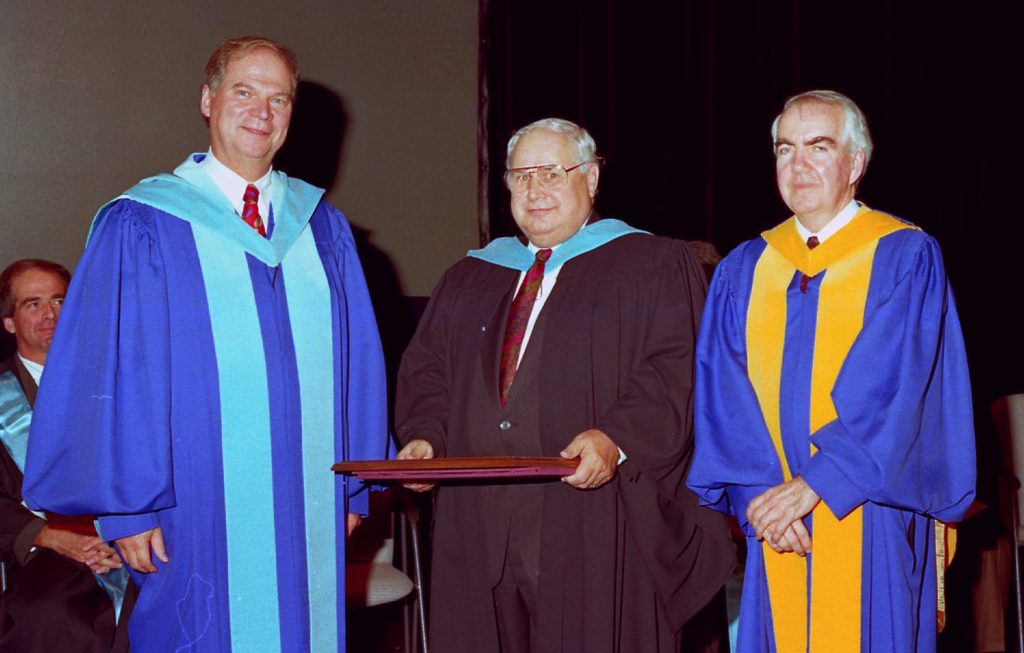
365 431
904 435
100 441
734 460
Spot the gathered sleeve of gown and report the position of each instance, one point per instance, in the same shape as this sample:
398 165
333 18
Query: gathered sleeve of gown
650 419
734 460
365 430
647 400
101 440
904 435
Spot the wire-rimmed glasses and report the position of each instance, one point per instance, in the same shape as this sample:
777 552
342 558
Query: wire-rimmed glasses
549 176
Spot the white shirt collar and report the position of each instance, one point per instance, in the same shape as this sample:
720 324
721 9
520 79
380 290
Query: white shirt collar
233 185
35 369
834 225
534 249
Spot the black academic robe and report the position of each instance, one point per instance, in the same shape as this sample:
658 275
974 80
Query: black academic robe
622 567
52 603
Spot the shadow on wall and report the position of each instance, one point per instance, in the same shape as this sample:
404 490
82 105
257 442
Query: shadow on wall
316 136
312 153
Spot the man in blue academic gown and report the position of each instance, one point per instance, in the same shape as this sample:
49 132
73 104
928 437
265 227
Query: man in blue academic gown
576 341
217 354
833 413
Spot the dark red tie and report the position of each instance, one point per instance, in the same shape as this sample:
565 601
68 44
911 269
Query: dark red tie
251 209
812 242
518 317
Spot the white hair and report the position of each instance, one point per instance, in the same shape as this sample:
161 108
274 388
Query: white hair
586 149
856 136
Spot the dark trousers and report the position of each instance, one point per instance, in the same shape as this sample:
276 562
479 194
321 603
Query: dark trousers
53 604
515 596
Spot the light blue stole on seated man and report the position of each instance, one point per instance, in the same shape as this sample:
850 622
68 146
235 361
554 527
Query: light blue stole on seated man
15 419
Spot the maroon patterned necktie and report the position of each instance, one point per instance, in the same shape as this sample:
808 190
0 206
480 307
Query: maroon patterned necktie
518 317
251 209
812 242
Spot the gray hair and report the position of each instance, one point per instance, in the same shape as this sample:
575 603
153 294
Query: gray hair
855 136
586 149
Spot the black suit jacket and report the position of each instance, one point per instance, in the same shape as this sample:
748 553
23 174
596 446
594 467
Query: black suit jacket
18 525
51 602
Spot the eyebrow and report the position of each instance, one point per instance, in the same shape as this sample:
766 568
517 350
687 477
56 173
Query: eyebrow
811 141
540 165
255 88
29 300
821 139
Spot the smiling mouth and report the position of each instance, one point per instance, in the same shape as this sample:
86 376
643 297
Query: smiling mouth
258 132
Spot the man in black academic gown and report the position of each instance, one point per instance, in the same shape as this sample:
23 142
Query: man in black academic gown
51 600
576 341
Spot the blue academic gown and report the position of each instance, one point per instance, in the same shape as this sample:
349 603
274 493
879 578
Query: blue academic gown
901 446
204 380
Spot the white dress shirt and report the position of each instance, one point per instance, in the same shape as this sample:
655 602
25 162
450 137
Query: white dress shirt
34 369
834 225
233 186
547 284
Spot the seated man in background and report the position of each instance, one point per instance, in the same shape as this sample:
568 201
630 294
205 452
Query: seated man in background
51 599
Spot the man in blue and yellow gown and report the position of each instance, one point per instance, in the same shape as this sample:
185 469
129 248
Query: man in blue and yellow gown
833 406
217 354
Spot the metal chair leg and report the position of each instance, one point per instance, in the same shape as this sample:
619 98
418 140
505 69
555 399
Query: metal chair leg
419 587
408 624
419 627
1017 573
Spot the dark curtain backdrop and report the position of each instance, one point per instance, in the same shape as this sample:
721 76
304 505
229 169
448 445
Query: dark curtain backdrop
680 97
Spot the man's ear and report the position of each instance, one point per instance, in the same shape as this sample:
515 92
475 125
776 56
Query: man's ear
593 174
204 101
9 324
857 171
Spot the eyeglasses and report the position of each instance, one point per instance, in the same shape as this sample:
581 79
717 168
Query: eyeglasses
553 176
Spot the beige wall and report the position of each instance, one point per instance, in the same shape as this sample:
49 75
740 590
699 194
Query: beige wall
96 95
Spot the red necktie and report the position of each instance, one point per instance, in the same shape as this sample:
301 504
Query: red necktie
518 317
251 209
812 242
